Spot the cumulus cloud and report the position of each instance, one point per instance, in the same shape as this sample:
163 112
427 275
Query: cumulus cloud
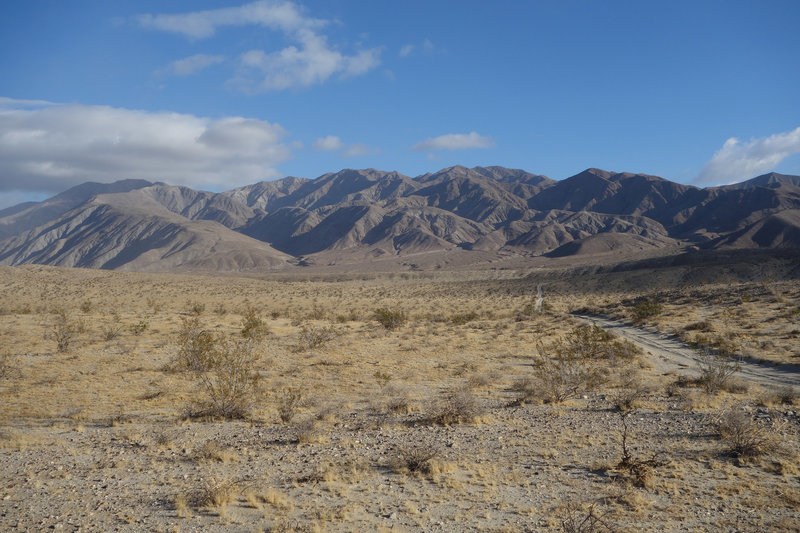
331 143
737 160
311 61
454 141
191 65
52 147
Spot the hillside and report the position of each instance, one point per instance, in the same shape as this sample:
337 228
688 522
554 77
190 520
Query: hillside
478 216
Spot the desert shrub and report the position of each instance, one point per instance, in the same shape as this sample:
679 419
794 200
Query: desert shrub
457 406
459 319
86 306
215 493
197 348
220 309
311 337
288 402
644 309
718 363
576 519
527 390
561 371
212 452
350 316
628 398
390 318
639 471
745 437
195 308
309 431
787 395
414 459
316 313
63 329
231 383
253 326
5 365
139 327
111 331
396 399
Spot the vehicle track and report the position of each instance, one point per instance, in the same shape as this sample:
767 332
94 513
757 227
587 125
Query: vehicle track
670 354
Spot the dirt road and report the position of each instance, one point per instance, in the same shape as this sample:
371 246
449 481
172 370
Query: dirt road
669 354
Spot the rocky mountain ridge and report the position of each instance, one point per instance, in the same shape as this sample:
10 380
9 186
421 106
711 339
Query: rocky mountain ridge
358 216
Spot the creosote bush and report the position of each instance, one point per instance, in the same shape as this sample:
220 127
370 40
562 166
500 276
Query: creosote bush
645 309
718 363
197 348
288 402
311 337
253 326
62 329
390 318
231 383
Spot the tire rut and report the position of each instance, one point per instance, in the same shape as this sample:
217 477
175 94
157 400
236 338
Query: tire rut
670 354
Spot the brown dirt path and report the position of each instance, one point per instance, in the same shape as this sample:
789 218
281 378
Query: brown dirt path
670 354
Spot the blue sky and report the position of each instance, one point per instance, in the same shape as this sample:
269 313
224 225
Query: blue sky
215 94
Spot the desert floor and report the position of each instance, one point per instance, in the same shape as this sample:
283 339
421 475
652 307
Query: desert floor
413 401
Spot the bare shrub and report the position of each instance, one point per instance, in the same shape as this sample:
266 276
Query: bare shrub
718 363
577 519
457 406
6 366
253 326
288 402
639 471
745 437
395 399
231 382
390 318
195 308
414 459
197 348
311 337
212 451
566 367
63 329
111 331
215 493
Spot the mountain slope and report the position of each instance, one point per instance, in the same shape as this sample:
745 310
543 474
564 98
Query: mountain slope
352 216
109 232
18 219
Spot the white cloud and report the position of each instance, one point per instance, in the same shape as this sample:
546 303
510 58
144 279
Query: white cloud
310 64
191 65
427 47
58 146
331 143
356 150
406 50
311 61
454 141
737 161
284 16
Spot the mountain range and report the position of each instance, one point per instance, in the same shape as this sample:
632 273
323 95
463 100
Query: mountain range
356 217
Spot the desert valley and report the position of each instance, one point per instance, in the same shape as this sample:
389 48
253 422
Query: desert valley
475 350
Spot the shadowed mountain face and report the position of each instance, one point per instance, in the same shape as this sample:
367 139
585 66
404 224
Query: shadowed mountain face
362 214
